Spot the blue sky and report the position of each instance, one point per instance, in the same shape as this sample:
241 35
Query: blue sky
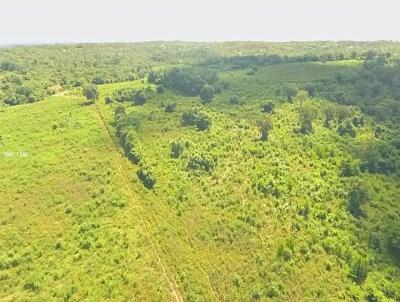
52 21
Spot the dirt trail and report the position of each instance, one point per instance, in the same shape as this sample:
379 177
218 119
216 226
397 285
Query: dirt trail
119 162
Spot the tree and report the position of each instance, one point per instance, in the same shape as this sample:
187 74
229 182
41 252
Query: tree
358 196
176 149
307 116
268 107
234 100
140 98
91 92
195 118
170 107
289 92
154 77
201 163
329 112
301 96
265 127
342 113
146 177
347 128
207 93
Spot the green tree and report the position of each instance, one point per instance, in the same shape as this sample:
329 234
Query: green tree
330 113
140 98
301 96
207 93
91 92
268 107
307 116
358 196
265 127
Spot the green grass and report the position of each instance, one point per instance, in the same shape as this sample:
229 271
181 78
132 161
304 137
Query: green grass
237 234
264 83
270 223
67 194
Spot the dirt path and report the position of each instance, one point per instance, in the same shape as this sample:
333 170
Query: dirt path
176 292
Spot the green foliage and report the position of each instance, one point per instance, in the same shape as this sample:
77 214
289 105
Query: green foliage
140 97
207 93
177 148
358 196
279 210
268 107
201 162
91 92
190 81
196 118
265 127
146 177
307 115
234 100
170 107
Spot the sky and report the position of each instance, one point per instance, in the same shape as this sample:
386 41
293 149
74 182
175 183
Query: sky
68 21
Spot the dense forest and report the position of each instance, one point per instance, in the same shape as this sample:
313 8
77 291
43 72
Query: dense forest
232 171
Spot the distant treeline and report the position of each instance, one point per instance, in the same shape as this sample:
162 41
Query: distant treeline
241 62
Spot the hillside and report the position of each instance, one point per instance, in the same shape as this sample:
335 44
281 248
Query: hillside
207 177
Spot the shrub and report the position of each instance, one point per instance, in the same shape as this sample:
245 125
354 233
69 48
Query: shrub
170 107
140 97
160 89
91 92
146 177
350 169
234 100
358 196
201 163
176 149
33 283
8 65
265 127
207 93
347 128
359 271
268 107
195 118
307 115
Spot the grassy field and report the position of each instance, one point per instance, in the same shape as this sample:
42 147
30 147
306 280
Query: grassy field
268 222
69 229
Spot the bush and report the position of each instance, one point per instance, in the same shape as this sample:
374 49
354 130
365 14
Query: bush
146 177
347 128
268 107
195 118
265 127
176 149
359 271
8 65
358 196
350 169
170 107
201 163
307 115
91 92
140 97
160 89
207 93
234 100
